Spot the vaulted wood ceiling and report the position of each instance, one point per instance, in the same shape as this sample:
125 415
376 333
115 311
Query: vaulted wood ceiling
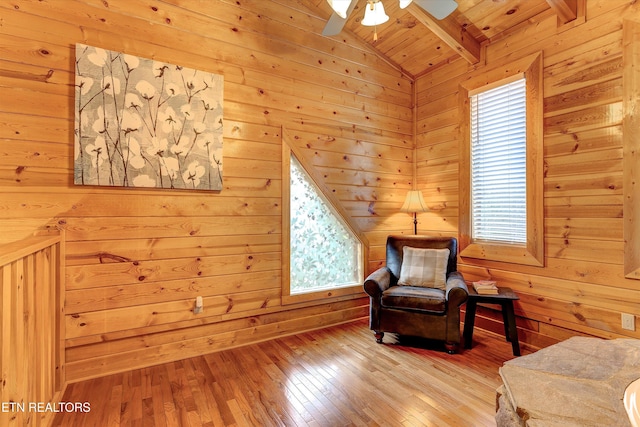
416 42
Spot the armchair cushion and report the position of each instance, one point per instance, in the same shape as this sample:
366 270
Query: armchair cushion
415 298
424 267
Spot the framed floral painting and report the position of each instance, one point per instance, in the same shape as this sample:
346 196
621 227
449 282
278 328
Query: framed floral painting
145 123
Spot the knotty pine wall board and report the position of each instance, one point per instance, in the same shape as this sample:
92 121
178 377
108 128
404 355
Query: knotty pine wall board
581 290
137 258
352 115
162 347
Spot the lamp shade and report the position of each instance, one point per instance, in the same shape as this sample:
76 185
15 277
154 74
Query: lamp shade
374 14
414 202
340 7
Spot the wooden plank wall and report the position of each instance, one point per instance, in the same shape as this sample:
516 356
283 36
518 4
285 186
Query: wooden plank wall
32 328
581 289
136 259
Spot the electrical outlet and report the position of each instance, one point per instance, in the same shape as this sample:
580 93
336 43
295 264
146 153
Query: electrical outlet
628 322
199 306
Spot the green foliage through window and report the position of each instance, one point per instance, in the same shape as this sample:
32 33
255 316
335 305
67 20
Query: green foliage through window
324 252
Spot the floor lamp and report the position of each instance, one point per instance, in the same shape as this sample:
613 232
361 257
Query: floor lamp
414 203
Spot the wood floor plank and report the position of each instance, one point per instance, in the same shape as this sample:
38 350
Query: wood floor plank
336 376
157 379
200 406
113 410
205 381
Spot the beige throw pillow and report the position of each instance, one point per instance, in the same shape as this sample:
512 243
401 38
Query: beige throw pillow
424 267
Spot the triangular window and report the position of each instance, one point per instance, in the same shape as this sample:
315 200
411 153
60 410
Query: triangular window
324 253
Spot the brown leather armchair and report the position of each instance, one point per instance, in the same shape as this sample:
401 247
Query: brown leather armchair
415 310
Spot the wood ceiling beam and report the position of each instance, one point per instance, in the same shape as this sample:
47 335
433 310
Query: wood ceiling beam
567 10
450 33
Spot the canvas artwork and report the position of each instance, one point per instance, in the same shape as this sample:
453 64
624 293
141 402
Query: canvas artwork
144 123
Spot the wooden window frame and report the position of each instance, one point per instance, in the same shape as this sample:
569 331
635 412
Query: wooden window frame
631 147
340 293
532 253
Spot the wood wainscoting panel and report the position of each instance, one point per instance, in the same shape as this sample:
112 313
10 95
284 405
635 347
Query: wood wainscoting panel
32 354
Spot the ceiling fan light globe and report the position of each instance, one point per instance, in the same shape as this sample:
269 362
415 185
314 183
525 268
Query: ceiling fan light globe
405 3
374 14
340 7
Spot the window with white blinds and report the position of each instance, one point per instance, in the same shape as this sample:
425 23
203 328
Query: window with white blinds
498 164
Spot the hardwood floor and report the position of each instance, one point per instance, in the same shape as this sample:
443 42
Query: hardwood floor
331 377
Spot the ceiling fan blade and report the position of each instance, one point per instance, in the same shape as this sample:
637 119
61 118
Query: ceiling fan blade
336 22
334 25
439 9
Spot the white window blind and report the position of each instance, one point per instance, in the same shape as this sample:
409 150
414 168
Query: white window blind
498 164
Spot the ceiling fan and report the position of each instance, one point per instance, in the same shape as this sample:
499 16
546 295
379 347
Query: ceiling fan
374 13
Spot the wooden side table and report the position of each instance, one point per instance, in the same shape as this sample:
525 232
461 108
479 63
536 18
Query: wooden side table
504 298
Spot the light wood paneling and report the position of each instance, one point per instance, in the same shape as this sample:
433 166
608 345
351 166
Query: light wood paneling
582 287
138 258
419 43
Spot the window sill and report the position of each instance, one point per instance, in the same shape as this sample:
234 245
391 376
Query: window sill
324 294
514 254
